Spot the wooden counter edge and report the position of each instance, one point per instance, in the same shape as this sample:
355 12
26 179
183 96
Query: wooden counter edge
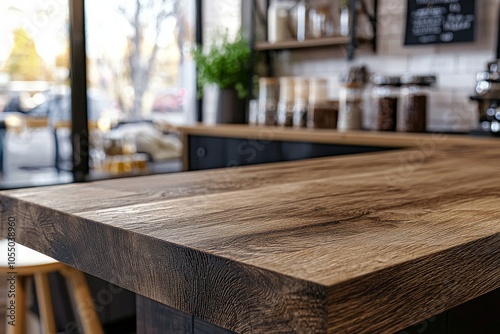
215 289
325 136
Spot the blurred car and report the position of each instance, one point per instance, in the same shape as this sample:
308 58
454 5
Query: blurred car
53 113
58 108
169 100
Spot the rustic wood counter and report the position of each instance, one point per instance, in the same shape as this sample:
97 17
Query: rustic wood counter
365 243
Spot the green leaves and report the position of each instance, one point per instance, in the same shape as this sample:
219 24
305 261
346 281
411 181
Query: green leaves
226 63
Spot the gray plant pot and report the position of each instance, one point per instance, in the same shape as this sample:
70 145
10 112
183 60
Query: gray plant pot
230 108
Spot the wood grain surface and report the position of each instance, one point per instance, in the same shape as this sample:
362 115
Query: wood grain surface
357 244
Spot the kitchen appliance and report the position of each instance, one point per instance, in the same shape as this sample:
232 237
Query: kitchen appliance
487 96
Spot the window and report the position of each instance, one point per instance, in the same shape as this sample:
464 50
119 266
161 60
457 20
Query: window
139 56
139 66
34 68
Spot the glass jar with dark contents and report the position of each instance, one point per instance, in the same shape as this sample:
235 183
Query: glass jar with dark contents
385 97
324 115
351 93
415 94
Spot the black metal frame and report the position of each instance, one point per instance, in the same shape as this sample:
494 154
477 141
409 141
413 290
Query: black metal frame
353 43
351 48
199 43
79 109
79 112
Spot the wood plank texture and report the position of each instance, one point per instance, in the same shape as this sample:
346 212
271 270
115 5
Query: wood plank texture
355 244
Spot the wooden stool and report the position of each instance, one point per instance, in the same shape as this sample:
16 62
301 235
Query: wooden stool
30 263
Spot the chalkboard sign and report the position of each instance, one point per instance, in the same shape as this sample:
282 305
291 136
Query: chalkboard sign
440 21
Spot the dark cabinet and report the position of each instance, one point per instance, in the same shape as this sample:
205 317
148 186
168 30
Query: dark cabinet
298 151
218 152
242 152
479 315
206 153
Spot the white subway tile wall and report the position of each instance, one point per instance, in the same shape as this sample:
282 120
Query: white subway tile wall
454 65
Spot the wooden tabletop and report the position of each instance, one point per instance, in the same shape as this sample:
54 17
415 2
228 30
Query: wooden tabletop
354 244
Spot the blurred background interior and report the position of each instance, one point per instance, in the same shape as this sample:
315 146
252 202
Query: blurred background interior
138 89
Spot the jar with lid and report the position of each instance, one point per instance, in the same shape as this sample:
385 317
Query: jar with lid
268 101
320 21
278 27
351 98
321 114
350 107
324 115
286 101
301 104
385 99
302 15
253 112
415 94
317 91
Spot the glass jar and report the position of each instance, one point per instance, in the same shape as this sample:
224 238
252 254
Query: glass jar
113 146
320 21
278 21
323 115
344 20
385 99
317 91
414 102
301 104
268 93
140 163
286 101
319 113
253 112
302 13
350 107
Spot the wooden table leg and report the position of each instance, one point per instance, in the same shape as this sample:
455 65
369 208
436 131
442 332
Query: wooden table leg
45 303
80 292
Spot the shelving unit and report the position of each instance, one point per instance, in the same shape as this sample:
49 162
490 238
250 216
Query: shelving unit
351 41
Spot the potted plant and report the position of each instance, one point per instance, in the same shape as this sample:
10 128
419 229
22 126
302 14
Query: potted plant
226 64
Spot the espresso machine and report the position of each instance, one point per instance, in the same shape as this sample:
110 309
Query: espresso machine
487 96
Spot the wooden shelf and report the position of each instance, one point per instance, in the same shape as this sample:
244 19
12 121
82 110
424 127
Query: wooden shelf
310 43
